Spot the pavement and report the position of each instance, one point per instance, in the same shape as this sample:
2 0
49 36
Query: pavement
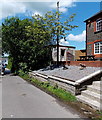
72 73
23 100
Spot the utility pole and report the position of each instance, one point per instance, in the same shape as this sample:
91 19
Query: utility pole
58 35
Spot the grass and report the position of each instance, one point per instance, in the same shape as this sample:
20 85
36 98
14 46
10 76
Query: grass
100 114
55 90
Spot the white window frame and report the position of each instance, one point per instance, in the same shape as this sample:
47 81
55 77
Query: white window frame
98 48
99 21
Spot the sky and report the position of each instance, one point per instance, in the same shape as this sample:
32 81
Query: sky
83 10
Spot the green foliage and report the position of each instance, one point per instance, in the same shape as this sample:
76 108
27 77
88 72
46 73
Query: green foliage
23 67
53 23
9 66
27 40
61 93
23 75
99 118
100 115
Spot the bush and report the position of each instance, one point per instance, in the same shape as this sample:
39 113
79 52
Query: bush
9 66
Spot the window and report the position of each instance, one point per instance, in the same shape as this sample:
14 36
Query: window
99 24
98 48
62 52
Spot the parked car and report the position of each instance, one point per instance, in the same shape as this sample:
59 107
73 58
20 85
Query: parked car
2 69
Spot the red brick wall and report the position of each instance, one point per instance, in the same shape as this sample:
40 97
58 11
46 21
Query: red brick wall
92 35
87 63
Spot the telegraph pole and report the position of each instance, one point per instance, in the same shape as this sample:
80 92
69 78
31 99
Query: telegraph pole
58 35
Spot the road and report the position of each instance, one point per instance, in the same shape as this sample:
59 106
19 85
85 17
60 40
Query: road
23 100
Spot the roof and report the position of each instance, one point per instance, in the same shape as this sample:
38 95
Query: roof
64 46
84 50
100 12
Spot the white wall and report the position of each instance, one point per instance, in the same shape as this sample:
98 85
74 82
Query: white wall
71 55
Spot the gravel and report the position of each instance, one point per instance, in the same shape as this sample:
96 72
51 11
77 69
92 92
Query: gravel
72 73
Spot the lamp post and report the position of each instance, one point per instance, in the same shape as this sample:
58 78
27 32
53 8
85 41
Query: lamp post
58 35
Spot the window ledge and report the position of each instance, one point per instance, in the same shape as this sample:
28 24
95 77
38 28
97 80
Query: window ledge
97 53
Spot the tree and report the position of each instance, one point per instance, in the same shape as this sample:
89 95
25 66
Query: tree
38 37
57 28
25 41
13 35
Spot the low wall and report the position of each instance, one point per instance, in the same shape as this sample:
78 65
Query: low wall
70 87
87 63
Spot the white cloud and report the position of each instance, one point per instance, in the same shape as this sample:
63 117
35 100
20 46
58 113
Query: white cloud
36 13
63 9
12 7
79 38
63 42
9 9
64 4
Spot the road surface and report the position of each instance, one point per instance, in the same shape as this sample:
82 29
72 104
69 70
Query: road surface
23 100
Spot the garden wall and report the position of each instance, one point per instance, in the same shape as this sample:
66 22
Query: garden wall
67 85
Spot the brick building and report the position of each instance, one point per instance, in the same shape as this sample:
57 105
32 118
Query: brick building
94 36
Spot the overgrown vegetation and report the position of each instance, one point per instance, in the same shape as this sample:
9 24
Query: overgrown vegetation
55 90
100 113
9 66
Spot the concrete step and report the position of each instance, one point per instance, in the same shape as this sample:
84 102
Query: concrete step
92 95
96 89
94 104
97 83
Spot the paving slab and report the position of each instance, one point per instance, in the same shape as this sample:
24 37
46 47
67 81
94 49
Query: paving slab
72 73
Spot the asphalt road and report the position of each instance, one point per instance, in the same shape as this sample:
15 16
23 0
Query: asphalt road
23 100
